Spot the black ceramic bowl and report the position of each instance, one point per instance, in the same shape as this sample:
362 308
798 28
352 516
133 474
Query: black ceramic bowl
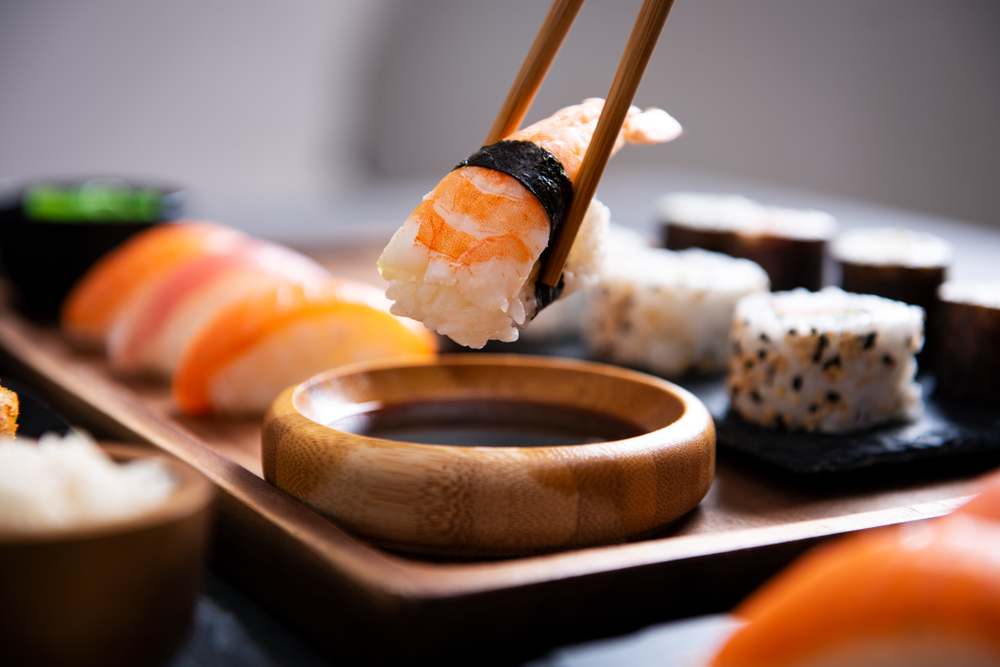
52 232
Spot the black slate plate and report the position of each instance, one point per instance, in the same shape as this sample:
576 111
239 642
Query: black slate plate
943 430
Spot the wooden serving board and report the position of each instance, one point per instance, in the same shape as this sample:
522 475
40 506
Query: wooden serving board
374 606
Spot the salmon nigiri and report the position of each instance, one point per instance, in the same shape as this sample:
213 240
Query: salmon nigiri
268 340
97 299
151 333
925 593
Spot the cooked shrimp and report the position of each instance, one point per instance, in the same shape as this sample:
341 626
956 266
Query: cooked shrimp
463 263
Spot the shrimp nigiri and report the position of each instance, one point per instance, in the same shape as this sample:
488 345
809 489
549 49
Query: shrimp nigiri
264 342
465 261
925 593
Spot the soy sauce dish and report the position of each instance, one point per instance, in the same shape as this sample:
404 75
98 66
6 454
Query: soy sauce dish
51 232
491 455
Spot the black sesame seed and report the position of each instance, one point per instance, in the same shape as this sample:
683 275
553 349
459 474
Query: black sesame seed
748 364
832 396
869 340
833 361
792 332
762 354
764 338
813 331
820 346
755 397
734 391
812 408
888 360
797 382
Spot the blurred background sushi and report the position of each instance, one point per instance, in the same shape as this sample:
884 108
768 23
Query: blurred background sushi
299 111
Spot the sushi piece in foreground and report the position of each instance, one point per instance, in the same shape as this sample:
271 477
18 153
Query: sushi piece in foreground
94 303
986 503
464 263
668 312
787 243
920 594
968 350
151 333
250 351
826 361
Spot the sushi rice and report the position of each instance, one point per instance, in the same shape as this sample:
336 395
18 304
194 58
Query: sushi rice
668 312
432 292
827 361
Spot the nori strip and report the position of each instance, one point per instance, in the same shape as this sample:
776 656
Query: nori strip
543 175
546 294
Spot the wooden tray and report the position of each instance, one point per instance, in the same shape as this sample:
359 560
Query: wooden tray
363 603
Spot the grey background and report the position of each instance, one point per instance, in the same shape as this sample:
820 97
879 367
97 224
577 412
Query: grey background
274 108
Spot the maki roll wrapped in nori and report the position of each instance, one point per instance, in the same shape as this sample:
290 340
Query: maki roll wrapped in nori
968 352
787 243
896 263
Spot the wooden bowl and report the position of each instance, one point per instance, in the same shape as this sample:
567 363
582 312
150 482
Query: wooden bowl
116 594
555 488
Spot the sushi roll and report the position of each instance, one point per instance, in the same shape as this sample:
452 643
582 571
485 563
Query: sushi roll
893 262
968 356
149 335
466 260
267 340
826 361
920 594
97 299
896 263
667 312
787 243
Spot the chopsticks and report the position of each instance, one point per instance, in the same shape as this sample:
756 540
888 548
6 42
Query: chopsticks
536 65
641 43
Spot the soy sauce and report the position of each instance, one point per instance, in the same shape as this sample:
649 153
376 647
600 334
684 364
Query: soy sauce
493 423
